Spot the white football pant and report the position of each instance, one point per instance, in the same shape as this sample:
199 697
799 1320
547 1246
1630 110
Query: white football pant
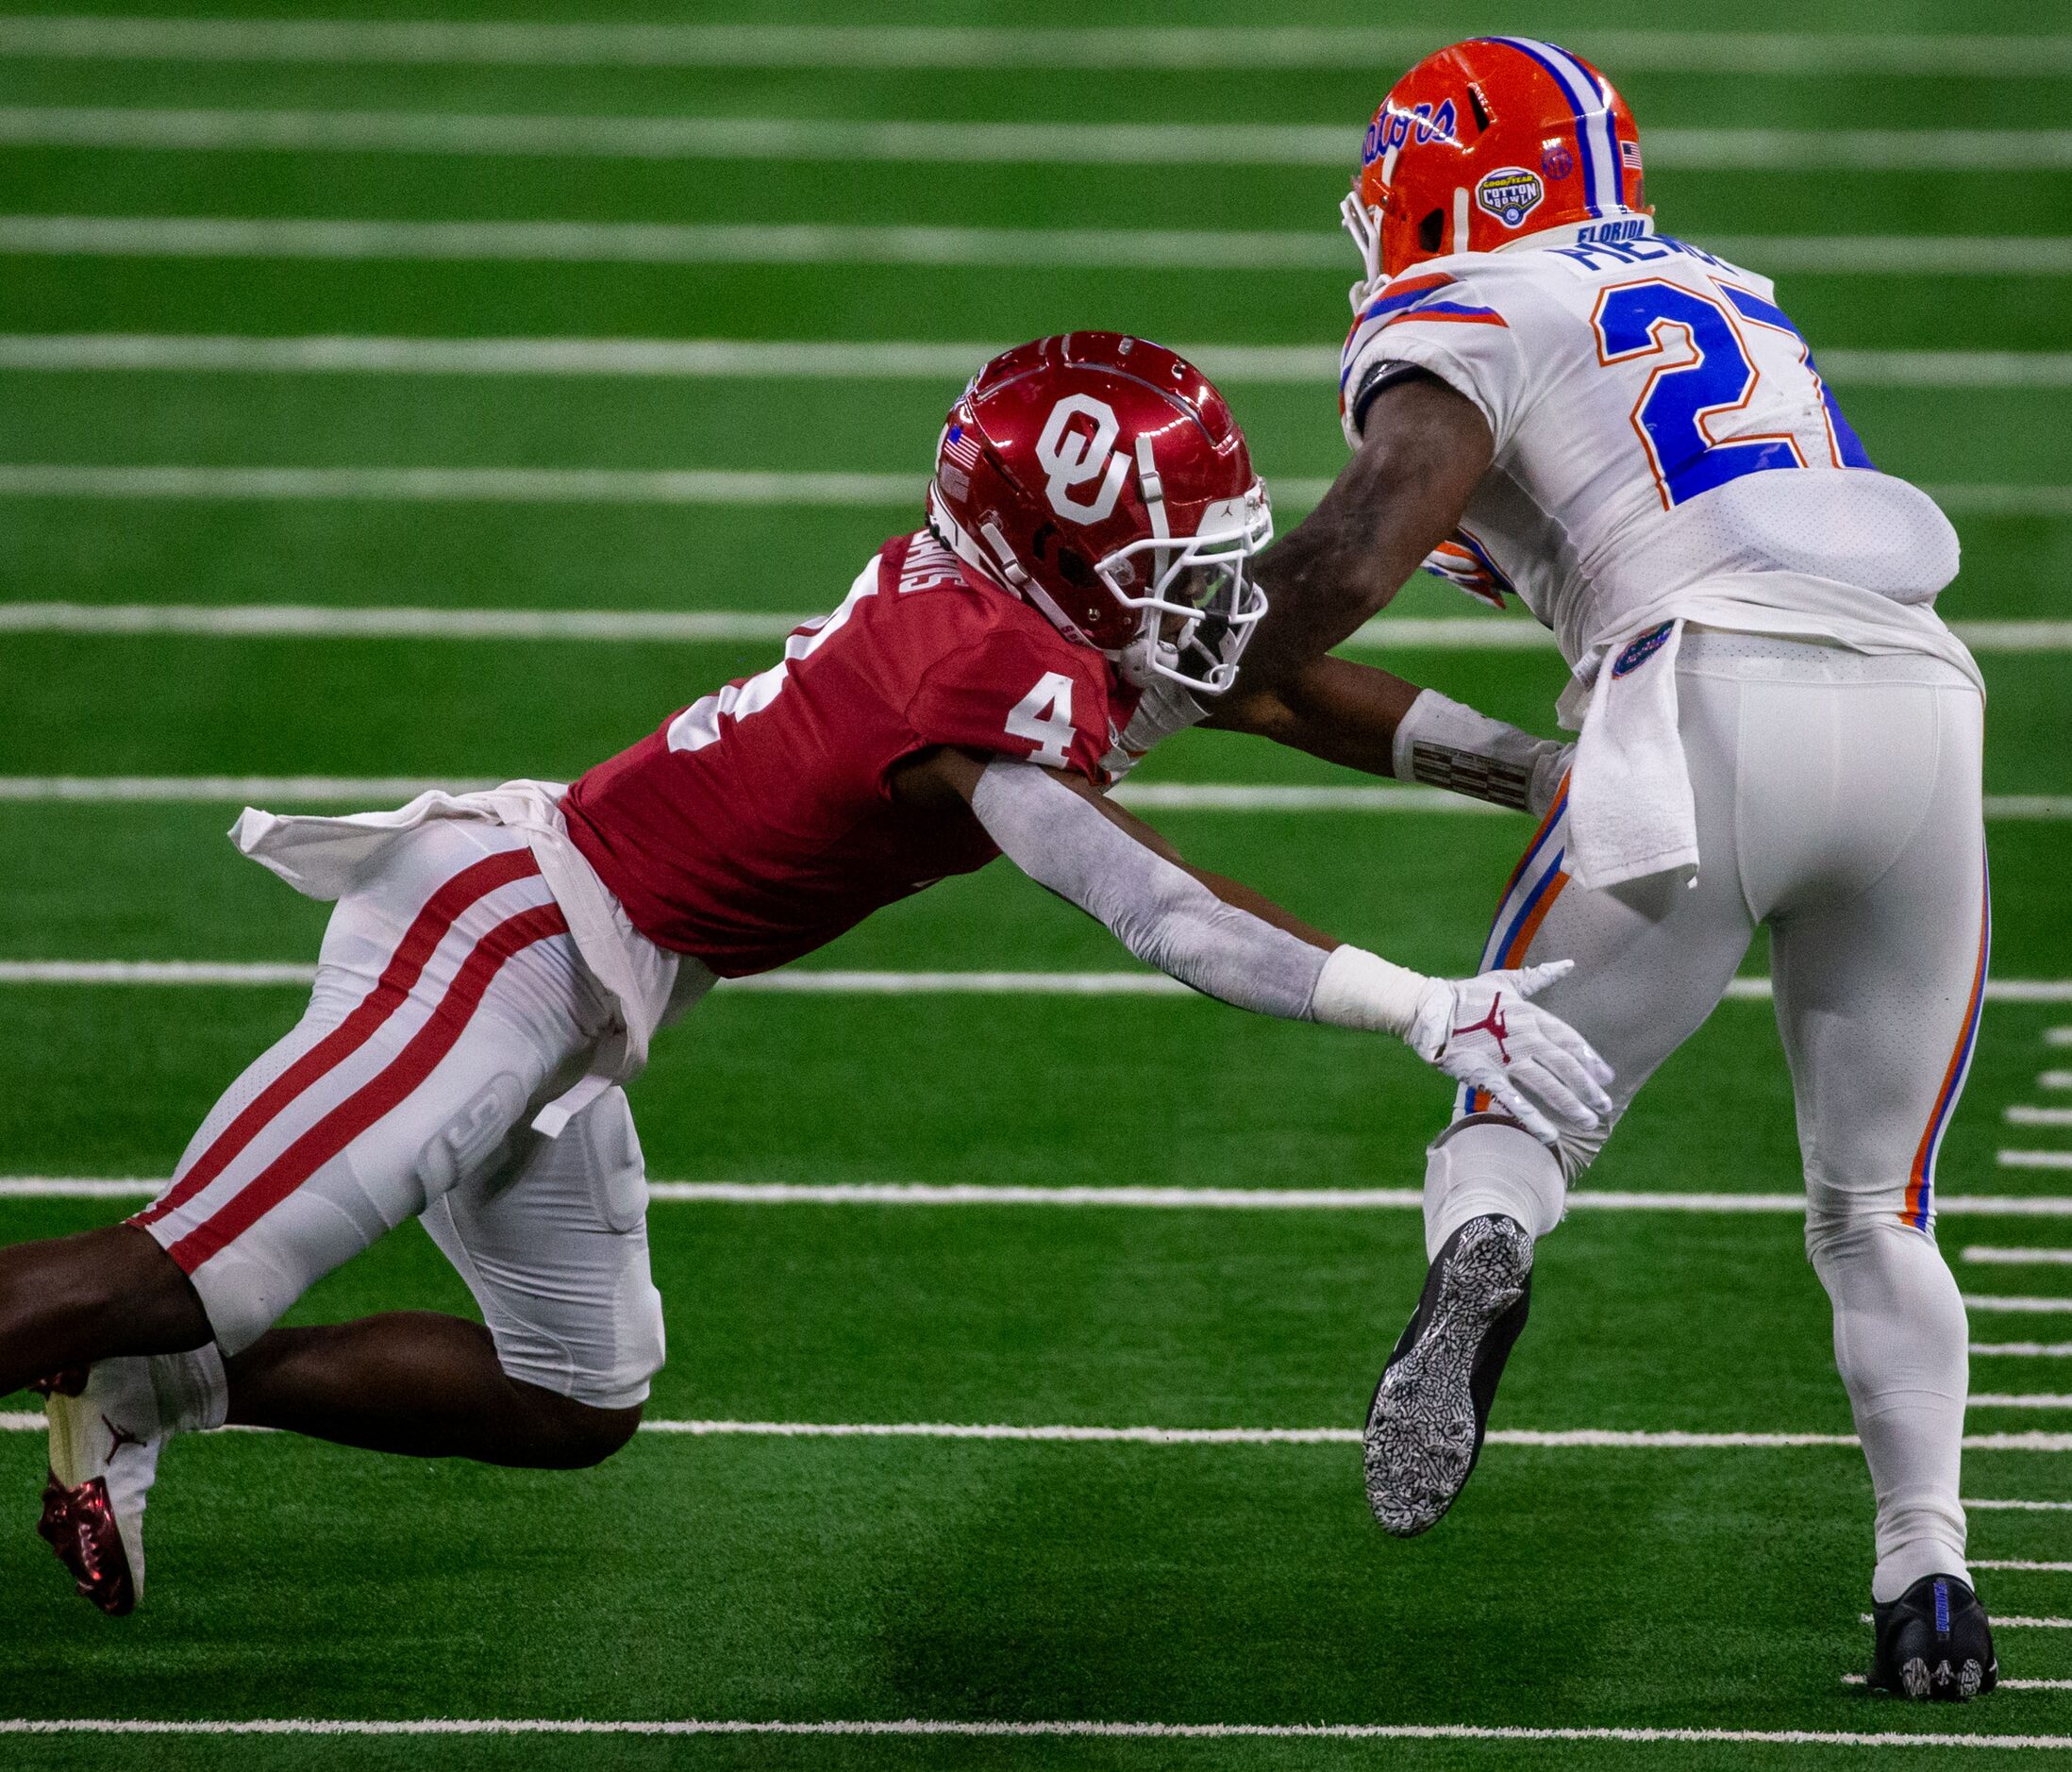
1838 802
450 1005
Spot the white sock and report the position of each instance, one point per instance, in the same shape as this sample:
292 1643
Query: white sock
192 1392
1901 1343
1481 1166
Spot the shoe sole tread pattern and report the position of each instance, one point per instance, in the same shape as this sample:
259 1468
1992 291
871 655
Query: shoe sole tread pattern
1423 1435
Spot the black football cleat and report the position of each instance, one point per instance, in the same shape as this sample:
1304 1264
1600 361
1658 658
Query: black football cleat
1431 1409
1933 1642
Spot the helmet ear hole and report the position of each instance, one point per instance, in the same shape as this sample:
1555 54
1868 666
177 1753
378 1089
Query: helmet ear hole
1476 104
1074 569
1431 230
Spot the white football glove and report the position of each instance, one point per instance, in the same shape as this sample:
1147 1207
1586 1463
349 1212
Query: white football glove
1481 1031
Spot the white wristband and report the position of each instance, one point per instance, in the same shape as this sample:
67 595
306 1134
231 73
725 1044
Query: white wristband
1444 744
1357 989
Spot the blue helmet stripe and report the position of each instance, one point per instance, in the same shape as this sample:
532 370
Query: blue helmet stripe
1596 140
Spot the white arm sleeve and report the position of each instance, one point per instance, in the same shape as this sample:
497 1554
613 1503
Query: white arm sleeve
1168 918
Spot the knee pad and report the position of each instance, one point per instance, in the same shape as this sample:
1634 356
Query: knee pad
1480 1165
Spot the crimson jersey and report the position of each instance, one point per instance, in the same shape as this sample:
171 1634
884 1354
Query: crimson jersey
758 823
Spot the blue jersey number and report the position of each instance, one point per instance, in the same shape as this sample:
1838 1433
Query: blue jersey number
1638 320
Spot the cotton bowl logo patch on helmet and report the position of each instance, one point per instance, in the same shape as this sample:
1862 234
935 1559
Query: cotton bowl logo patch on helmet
1510 193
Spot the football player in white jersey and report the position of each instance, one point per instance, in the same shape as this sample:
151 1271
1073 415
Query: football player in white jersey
1549 400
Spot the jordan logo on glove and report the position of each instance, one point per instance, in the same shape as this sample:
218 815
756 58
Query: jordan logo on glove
1493 1024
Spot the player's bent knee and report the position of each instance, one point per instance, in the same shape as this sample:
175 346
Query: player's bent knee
1838 1216
118 1280
568 1434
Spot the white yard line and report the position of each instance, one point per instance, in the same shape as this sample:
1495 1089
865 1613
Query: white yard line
2018 1622
2058 1037
334 622
2003 1684
1026 49
2055 1079
2023 1350
2016 1400
2006 1506
815 358
924 1194
735 486
1993 1257
1074 1434
2022 1566
830 980
1164 796
2020 1113
1029 248
1997 1304
918 1726
835 139
2034 1159
572 486
325 622
1559 1439
909 359
356 791
1191 797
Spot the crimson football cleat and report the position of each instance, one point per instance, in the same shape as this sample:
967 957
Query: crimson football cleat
1485 142
1103 481
106 1430
79 1526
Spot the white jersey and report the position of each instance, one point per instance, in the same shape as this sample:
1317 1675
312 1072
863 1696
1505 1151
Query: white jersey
1664 448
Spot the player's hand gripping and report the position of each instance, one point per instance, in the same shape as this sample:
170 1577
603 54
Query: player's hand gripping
1483 1032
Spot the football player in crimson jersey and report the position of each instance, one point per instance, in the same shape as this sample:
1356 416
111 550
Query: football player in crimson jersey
1551 400
498 963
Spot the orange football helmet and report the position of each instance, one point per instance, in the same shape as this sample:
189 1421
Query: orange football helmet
1485 142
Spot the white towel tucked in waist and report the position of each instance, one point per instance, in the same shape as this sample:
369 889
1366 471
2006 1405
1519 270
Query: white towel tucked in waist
1631 814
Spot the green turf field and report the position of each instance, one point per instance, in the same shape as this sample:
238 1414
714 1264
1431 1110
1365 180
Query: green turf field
1705 1596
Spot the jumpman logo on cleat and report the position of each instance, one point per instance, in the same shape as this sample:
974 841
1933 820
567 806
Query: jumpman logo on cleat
119 1437
1493 1024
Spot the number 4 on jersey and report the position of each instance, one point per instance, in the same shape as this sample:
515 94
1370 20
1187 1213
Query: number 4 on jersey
1043 716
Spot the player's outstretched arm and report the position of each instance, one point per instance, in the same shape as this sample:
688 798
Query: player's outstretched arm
1423 450
1231 943
1367 719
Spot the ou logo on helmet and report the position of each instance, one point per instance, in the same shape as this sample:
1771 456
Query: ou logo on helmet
1072 458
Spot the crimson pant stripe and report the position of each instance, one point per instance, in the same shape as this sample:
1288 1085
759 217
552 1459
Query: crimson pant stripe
420 942
384 1092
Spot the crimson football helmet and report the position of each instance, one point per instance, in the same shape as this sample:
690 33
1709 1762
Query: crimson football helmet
1103 479
1483 142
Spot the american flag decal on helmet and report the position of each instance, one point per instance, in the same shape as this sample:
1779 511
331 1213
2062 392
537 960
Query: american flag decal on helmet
961 446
